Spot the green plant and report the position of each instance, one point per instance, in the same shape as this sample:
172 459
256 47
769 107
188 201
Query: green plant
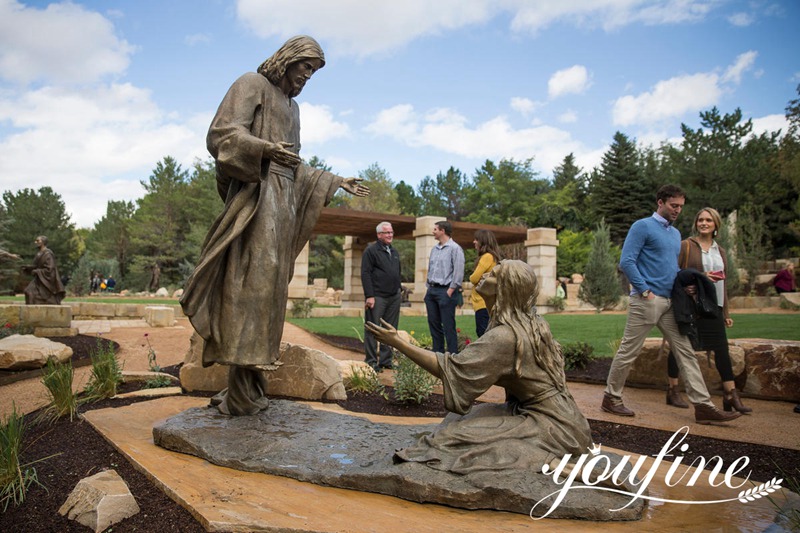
15 478
557 302
302 308
411 382
790 514
576 354
159 381
600 286
106 373
364 381
57 378
10 329
613 344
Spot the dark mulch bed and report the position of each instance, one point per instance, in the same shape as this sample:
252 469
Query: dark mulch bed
83 452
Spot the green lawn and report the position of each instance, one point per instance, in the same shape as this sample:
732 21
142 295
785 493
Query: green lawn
598 330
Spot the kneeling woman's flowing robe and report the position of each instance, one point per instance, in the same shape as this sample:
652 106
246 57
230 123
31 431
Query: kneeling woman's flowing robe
236 298
539 422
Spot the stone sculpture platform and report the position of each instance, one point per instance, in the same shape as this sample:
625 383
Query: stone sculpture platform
293 440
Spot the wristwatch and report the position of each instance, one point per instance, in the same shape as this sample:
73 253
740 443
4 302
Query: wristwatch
646 293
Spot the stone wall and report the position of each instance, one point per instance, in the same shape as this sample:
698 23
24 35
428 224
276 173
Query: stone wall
762 368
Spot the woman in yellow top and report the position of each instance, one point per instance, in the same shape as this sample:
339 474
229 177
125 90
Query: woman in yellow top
488 256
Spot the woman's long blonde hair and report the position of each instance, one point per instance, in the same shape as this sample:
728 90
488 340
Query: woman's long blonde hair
517 290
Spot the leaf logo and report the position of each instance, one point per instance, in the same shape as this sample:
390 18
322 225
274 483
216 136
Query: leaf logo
755 493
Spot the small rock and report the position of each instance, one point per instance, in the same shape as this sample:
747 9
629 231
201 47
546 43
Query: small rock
100 501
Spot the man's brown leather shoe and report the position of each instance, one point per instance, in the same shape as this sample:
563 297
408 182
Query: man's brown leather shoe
615 407
708 414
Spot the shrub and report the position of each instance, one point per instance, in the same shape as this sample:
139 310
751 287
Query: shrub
600 286
57 379
576 354
411 382
302 308
364 381
463 339
106 373
557 302
15 478
10 329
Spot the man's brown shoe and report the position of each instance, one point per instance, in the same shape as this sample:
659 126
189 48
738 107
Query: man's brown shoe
615 407
708 414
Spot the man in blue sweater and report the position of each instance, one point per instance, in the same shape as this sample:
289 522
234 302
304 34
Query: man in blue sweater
650 261
380 277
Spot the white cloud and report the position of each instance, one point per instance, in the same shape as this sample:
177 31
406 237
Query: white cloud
355 27
448 131
668 99
526 106
91 145
743 63
741 19
607 14
61 43
574 79
360 28
568 117
197 38
319 125
769 124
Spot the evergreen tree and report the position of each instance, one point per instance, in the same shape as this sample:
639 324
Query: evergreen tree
32 213
160 226
410 203
600 286
110 237
620 192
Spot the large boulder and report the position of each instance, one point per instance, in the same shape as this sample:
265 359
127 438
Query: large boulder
773 368
100 501
194 376
306 373
27 352
303 373
650 368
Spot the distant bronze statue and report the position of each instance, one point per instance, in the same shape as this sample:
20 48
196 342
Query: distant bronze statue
236 297
45 287
155 277
539 422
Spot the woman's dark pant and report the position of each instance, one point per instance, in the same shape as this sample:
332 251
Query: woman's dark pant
481 321
712 337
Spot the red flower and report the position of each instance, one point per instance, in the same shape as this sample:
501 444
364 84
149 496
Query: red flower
467 341
146 334
458 330
8 325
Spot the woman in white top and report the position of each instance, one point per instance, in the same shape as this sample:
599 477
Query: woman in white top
703 253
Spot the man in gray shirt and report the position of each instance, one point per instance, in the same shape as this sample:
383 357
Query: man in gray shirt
445 274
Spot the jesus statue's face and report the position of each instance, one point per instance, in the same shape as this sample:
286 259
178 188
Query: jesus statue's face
297 74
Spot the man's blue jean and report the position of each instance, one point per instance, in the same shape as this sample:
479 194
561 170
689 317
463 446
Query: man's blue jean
441 310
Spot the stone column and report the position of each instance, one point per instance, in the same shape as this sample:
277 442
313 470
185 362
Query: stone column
423 236
298 285
353 294
541 246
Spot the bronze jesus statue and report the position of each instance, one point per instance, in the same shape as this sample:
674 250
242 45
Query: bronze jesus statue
236 297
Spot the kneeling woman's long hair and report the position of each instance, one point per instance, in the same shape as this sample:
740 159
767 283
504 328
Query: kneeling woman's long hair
517 289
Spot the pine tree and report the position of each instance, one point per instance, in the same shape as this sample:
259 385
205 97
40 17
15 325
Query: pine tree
600 286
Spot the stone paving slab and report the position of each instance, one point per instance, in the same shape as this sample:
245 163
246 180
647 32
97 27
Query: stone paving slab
223 499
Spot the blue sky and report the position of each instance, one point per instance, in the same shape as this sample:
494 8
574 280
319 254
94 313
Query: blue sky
94 94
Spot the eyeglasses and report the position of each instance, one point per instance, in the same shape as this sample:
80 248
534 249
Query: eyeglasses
385 233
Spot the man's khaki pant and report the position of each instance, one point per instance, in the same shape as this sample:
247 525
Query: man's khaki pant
643 314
